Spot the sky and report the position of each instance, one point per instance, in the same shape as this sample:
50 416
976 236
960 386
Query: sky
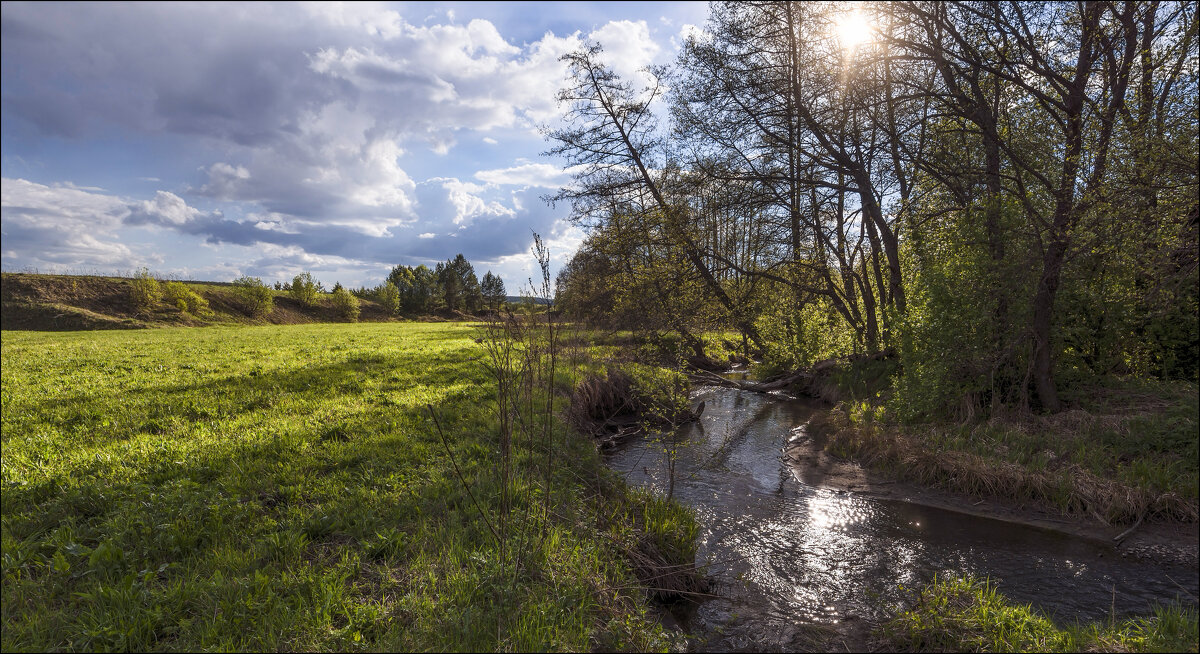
210 141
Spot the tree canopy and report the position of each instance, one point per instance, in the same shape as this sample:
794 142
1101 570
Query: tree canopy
1003 193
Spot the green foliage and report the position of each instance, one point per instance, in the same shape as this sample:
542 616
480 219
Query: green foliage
492 289
345 304
255 298
458 287
185 299
304 289
617 280
282 488
144 291
662 392
797 337
389 296
962 342
969 615
417 287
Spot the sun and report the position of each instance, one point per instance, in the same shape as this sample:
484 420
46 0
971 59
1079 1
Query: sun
853 29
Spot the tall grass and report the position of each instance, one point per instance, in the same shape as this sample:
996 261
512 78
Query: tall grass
1126 452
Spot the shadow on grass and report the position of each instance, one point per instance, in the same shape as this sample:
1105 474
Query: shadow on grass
331 468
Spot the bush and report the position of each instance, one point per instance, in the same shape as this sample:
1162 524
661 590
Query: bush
256 299
389 296
345 304
144 291
185 299
304 289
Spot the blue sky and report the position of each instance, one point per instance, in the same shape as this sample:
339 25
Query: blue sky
209 141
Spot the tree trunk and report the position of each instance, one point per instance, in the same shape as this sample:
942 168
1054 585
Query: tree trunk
1043 315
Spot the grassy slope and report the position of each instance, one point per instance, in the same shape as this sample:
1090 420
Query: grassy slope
968 615
1124 449
74 302
281 488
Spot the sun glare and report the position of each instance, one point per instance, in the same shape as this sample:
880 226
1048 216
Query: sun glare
852 30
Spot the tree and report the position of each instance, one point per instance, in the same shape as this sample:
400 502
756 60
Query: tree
345 304
449 286
389 296
304 289
493 291
144 291
254 296
417 287
185 299
612 142
994 189
458 286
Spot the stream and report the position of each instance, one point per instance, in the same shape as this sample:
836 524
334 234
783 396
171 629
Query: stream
786 555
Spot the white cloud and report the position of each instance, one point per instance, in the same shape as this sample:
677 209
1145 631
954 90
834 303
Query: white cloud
167 209
526 174
628 47
310 121
61 225
224 180
23 200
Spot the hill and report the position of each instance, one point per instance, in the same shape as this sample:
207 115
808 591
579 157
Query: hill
77 302
517 299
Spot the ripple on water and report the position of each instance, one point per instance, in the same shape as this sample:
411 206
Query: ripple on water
785 554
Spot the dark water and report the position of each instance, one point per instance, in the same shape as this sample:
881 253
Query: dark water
786 554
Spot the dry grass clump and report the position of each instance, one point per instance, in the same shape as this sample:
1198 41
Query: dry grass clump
613 405
600 398
665 581
1073 423
1067 486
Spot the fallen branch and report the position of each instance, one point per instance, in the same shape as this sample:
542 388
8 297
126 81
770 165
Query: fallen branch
754 387
1125 534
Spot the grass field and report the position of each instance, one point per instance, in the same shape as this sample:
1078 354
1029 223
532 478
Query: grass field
283 488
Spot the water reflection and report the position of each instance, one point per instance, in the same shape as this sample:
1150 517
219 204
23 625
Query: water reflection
784 553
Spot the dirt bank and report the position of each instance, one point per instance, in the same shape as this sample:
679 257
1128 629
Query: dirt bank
1168 542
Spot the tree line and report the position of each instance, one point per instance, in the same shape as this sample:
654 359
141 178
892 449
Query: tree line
1002 193
450 285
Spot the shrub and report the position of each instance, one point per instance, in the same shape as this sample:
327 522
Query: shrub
389 296
256 299
345 304
144 291
185 299
304 289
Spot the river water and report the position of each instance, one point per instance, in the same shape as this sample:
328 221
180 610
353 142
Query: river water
786 555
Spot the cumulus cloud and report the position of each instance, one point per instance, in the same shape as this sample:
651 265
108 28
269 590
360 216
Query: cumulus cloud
165 209
60 225
628 47
305 122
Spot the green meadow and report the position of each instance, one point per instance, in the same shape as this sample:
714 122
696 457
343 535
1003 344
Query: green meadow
284 488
